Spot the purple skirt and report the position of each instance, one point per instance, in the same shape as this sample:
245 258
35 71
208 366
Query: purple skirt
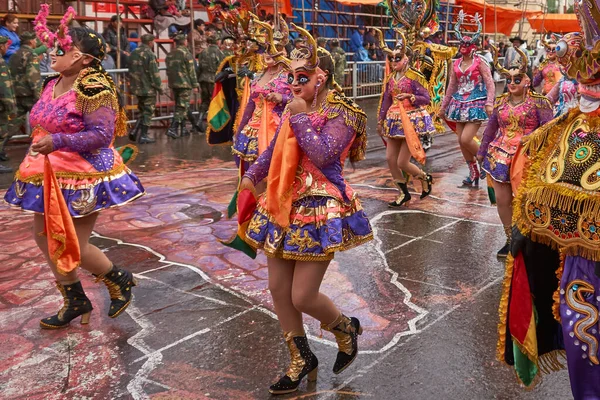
105 193
319 226
420 119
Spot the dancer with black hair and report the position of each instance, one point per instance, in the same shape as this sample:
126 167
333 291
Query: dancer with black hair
74 125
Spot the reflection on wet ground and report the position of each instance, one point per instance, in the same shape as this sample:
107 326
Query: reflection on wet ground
202 322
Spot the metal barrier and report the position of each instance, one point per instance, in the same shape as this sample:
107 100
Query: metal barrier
364 79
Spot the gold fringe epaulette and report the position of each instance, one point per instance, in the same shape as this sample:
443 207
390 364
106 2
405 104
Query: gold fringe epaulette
354 116
502 99
94 90
540 100
416 76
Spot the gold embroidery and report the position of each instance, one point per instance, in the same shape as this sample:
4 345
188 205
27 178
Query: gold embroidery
256 223
302 239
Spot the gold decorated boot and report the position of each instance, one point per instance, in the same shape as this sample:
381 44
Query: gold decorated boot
302 363
346 331
119 283
75 304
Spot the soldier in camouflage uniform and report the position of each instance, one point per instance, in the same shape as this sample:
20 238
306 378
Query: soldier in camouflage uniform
181 72
25 69
339 59
8 106
208 64
145 83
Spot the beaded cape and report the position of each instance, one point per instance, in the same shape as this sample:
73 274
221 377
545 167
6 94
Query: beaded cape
558 202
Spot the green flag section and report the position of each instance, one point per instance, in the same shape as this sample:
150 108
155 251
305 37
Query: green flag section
218 114
490 190
232 207
238 244
244 202
128 152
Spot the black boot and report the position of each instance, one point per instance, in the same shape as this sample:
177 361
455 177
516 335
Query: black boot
133 134
144 138
173 131
194 121
75 304
3 156
427 184
503 252
346 331
303 363
119 283
404 196
183 130
5 170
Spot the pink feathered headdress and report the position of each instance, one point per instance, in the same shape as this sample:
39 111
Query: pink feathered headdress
62 34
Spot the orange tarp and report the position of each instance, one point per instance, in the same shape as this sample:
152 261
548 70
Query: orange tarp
285 7
359 2
559 23
506 16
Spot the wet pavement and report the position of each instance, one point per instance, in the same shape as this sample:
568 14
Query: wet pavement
202 323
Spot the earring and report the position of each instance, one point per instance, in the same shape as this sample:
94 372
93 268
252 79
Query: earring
314 103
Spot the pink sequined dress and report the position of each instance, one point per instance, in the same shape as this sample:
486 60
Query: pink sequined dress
507 126
89 170
469 91
261 117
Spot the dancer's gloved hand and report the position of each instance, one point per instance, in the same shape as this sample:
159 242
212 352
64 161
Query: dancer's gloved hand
245 72
224 74
517 241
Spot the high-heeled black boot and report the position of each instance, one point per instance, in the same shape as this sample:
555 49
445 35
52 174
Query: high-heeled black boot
119 283
302 363
427 180
404 196
346 331
75 304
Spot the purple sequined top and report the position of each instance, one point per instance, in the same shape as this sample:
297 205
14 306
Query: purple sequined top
279 84
404 85
508 124
71 130
324 140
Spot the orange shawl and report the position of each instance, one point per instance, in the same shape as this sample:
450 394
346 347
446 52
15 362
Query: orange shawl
282 172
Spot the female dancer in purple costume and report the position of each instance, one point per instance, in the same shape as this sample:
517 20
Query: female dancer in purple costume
269 93
323 214
400 88
470 97
74 125
516 114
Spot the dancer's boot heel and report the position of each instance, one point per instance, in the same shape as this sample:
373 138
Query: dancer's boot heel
85 318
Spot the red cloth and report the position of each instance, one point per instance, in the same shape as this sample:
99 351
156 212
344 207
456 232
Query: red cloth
63 245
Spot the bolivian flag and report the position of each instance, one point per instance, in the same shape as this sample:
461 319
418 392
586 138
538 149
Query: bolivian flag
246 204
522 323
218 113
